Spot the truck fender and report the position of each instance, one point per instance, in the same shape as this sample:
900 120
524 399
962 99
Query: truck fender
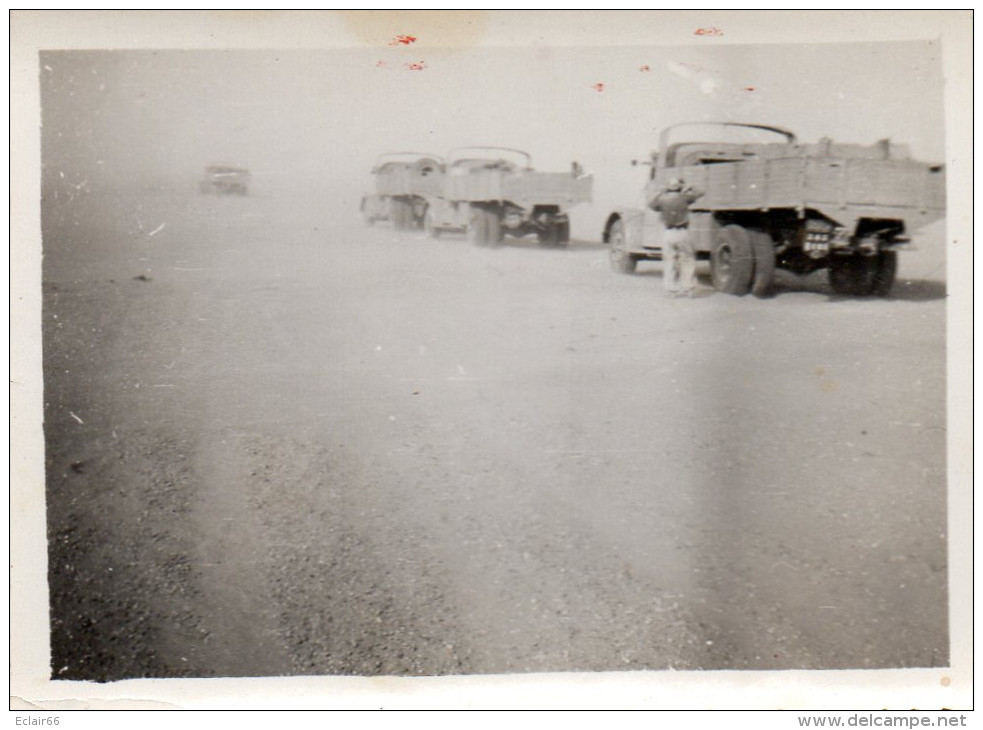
631 219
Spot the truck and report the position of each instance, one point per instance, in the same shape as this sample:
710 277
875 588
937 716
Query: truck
225 179
771 203
492 191
403 182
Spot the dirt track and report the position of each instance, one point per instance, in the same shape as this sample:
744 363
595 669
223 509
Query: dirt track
295 445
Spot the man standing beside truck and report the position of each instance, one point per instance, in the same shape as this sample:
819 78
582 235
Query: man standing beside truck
678 250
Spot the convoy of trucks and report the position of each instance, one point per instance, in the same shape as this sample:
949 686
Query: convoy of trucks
768 202
486 192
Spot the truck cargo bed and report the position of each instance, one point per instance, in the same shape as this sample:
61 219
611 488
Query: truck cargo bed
541 188
842 189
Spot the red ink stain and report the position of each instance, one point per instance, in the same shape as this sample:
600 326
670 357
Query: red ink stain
380 63
416 66
645 68
402 40
598 87
708 31
749 88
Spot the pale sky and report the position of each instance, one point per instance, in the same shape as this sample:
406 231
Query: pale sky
317 119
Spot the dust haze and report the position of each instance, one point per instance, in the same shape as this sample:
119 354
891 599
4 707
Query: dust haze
279 442
312 122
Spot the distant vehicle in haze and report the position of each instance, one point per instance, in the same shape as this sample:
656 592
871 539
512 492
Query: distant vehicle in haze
225 180
402 180
846 208
491 191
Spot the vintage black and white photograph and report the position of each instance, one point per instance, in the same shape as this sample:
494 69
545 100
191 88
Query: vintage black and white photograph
420 355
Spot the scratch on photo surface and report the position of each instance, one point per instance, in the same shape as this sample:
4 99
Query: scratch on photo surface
72 414
157 230
588 451
782 563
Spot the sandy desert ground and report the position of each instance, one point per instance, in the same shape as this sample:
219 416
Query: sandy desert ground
279 442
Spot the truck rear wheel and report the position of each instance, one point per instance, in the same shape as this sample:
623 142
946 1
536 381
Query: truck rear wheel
853 275
547 238
732 261
477 230
493 227
430 228
557 234
764 263
886 273
622 262
398 208
563 232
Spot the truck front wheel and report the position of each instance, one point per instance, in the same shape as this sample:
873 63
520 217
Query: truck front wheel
621 261
732 261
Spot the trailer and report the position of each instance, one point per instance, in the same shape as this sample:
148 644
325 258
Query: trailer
492 191
403 181
846 208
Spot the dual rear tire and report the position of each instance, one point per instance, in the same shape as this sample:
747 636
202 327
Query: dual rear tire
558 234
401 213
743 261
404 214
863 276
